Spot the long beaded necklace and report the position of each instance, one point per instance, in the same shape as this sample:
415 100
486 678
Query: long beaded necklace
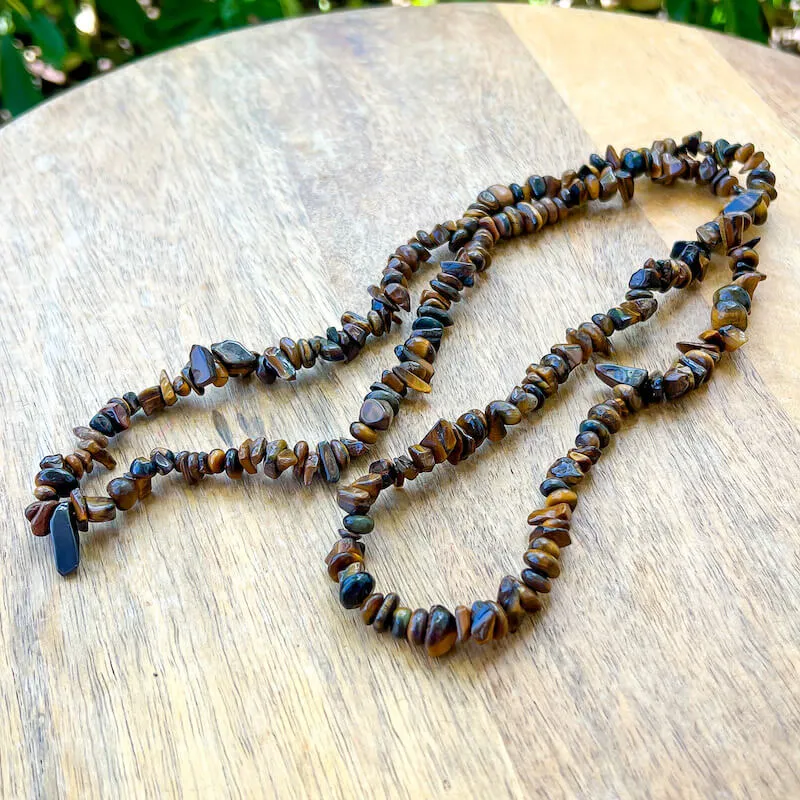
63 511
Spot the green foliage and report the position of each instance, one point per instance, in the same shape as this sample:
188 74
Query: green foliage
49 45
744 18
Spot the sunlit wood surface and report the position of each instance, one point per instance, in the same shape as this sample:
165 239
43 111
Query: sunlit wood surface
251 186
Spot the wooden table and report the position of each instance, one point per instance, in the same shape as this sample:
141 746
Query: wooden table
250 186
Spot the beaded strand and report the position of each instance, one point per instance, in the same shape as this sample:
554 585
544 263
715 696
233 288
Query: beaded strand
499 212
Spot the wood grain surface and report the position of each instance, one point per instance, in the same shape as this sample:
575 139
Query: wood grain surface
250 186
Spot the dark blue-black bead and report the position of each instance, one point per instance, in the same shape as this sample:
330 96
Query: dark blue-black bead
538 186
355 589
422 323
436 313
132 400
550 485
66 541
238 360
62 480
634 163
102 424
142 468
536 392
595 426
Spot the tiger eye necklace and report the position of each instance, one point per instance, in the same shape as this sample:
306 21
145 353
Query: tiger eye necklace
62 511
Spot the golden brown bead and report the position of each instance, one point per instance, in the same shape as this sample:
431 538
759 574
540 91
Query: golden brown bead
363 433
100 509
559 496
151 400
383 619
441 633
417 627
440 440
370 608
539 561
167 390
463 623
123 492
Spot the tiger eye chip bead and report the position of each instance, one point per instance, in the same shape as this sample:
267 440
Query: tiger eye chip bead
441 633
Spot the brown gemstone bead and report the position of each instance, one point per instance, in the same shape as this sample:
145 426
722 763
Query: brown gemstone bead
516 600
370 608
557 530
604 413
371 483
310 469
117 411
406 372
353 500
280 364
364 433
301 451
536 582
291 350
270 460
286 459
539 561
181 386
560 511
400 622
202 366
344 552
80 508
38 515
441 633
151 400
729 312
440 440
377 414
484 620
167 390
463 617
233 469
123 492
547 545
732 337
566 470
328 468
143 484
562 496
216 461
383 619
422 457
498 415
422 348
85 457
244 457
340 453
74 465
45 493
417 627
105 458
100 509
678 380
84 433
221 378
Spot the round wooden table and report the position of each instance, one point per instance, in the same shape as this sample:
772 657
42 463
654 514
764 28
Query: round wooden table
250 186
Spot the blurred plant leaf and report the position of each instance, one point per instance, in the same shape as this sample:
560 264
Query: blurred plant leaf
679 10
744 18
19 90
129 19
48 37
